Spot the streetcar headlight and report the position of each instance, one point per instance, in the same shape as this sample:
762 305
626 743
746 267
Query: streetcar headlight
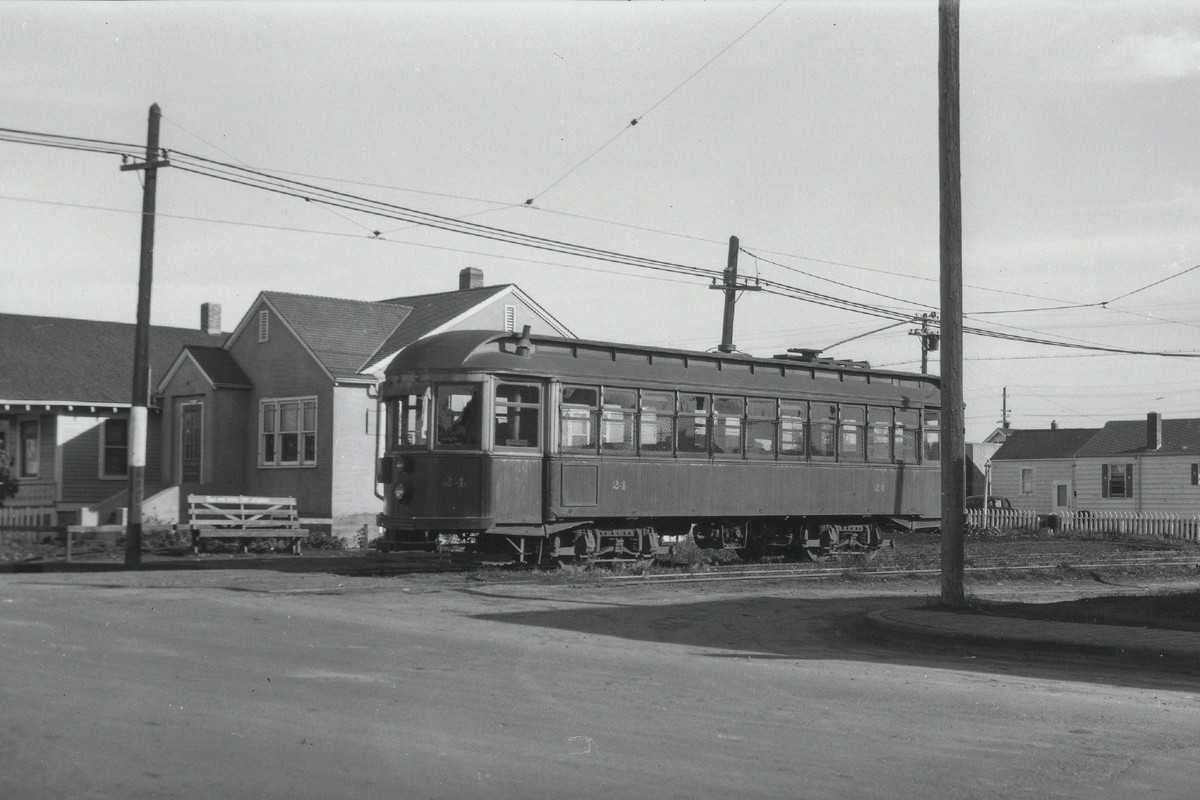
402 492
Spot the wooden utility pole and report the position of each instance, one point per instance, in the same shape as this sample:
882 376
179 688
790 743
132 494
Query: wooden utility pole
731 287
929 339
953 424
139 406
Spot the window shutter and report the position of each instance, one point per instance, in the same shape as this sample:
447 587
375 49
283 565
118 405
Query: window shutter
1129 480
1104 480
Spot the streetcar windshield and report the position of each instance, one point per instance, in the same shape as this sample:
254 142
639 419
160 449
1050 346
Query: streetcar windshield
458 417
409 418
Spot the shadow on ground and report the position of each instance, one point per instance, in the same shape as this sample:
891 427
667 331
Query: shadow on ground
767 627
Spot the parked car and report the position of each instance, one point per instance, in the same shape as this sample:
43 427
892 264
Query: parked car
975 503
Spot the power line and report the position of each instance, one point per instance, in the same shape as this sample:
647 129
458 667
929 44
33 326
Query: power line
1156 283
664 99
309 193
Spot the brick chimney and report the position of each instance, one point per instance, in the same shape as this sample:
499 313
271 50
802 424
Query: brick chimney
470 278
210 317
1154 431
1053 424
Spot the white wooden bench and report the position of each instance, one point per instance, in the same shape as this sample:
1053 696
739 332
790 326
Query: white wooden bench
243 518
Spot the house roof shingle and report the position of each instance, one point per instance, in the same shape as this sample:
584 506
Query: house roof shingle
1128 437
219 366
429 311
60 360
342 334
347 336
1024 445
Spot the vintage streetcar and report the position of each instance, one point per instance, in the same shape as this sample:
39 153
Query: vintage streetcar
550 449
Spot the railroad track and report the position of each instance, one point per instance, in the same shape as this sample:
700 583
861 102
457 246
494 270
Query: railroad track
803 571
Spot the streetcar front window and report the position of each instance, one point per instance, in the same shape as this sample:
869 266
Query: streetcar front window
457 414
517 411
409 419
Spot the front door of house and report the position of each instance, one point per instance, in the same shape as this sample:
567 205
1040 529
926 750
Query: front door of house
1062 498
190 421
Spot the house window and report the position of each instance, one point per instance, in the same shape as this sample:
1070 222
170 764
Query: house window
264 325
1027 480
114 448
1195 474
1116 480
30 462
288 432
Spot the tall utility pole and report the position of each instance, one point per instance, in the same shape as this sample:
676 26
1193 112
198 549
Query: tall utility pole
953 423
139 406
730 287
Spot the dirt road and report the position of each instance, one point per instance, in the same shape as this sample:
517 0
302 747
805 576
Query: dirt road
274 685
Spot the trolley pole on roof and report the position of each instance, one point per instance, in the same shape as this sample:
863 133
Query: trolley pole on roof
953 434
731 287
139 406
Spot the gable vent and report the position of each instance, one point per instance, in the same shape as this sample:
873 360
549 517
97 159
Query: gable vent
264 325
510 318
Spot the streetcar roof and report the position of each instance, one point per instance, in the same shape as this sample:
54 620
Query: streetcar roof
584 361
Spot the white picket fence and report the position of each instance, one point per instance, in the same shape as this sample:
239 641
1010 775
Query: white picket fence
17 517
1004 519
1185 527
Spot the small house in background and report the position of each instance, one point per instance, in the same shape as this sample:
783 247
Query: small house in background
283 406
1127 465
1035 469
65 387
286 405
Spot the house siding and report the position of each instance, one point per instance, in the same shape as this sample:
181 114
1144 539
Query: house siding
282 367
1161 483
493 317
1006 482
77 446
354 427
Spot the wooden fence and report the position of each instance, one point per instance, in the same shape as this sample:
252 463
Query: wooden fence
1185 527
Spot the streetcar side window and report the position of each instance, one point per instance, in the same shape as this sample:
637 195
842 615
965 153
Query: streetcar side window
579 416
906 435
727 423
851 446
457 414
932 436
879 434
793 419
761 425
691 428
657 424
408 416
518 415
617 414
822 430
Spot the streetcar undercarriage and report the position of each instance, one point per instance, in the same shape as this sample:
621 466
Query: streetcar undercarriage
604 541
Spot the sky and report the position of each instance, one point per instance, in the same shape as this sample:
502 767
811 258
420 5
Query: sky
806 129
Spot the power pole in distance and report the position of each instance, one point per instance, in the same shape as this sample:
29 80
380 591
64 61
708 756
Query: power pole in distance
953 433
929 339
139 407
730 287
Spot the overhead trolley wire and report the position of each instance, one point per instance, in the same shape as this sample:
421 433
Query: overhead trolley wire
633 122
258 179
